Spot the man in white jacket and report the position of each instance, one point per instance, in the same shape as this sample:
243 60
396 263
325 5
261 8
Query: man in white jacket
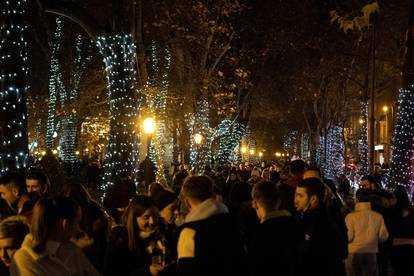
366 229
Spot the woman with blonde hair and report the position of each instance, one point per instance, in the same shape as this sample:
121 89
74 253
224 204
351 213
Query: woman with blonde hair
47 250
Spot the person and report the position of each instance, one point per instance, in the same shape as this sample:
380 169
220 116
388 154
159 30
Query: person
47 250
323 254
168 205
402 232
179 177
366 229
208 243
37 182
13 189
12 232
137 246
118 196
94 225
287 188
382 202
277 245
255 176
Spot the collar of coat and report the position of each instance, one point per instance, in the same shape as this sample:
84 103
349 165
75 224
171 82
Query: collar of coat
276 214
362 206
206 209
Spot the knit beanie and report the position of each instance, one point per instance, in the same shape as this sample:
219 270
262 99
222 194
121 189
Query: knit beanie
162 198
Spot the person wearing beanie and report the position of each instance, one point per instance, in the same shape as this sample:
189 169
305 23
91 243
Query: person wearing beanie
166 202
167 205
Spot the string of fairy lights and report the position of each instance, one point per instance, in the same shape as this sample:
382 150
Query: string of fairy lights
54 84
13 85
229 134
121 156
160 61
199 124
401 172
68 95
329 152
363 139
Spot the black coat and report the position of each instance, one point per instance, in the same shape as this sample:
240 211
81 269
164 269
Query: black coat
277 247
218 249
323 248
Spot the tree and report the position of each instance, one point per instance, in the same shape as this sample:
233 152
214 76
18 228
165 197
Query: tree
117 41
13 86
402 172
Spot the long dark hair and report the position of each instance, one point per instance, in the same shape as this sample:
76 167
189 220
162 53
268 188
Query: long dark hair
136 207
46 214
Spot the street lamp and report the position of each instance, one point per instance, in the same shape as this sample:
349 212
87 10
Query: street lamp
361 121
243 151
149 128
252 152
198 139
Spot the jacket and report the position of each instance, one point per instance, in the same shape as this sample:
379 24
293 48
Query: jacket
63 259
366 228
209 243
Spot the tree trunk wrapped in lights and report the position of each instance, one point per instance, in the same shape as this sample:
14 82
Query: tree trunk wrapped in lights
329 154
68 95
122 152
363 140
402 172
159 81
13 86
229 134
54 84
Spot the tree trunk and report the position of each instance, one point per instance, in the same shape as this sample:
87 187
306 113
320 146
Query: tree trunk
13 86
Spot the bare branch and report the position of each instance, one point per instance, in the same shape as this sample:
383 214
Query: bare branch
75 13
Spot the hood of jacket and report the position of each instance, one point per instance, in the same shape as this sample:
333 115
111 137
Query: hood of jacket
206 209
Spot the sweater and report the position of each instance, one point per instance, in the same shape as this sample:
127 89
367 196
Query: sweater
366 228
57 259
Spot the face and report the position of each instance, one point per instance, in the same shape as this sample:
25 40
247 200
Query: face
33 185
170 212
233 177
259 210
7 250
302 200
9 194
147 222
365 184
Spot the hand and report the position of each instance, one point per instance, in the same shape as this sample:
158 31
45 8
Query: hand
155 269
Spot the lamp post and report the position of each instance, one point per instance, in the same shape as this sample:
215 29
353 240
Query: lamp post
388 128
198 138
149 128
243 151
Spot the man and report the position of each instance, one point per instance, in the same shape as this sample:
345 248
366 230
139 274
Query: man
323 254
208 243
37 182
12 233
278 238
287 188
12 189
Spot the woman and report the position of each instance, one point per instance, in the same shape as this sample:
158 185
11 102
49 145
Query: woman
47 250
94 226
138 246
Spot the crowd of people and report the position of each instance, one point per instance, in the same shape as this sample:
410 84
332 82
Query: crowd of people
244 219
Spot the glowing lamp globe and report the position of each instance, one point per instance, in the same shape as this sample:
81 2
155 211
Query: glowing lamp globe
149 126
198 138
